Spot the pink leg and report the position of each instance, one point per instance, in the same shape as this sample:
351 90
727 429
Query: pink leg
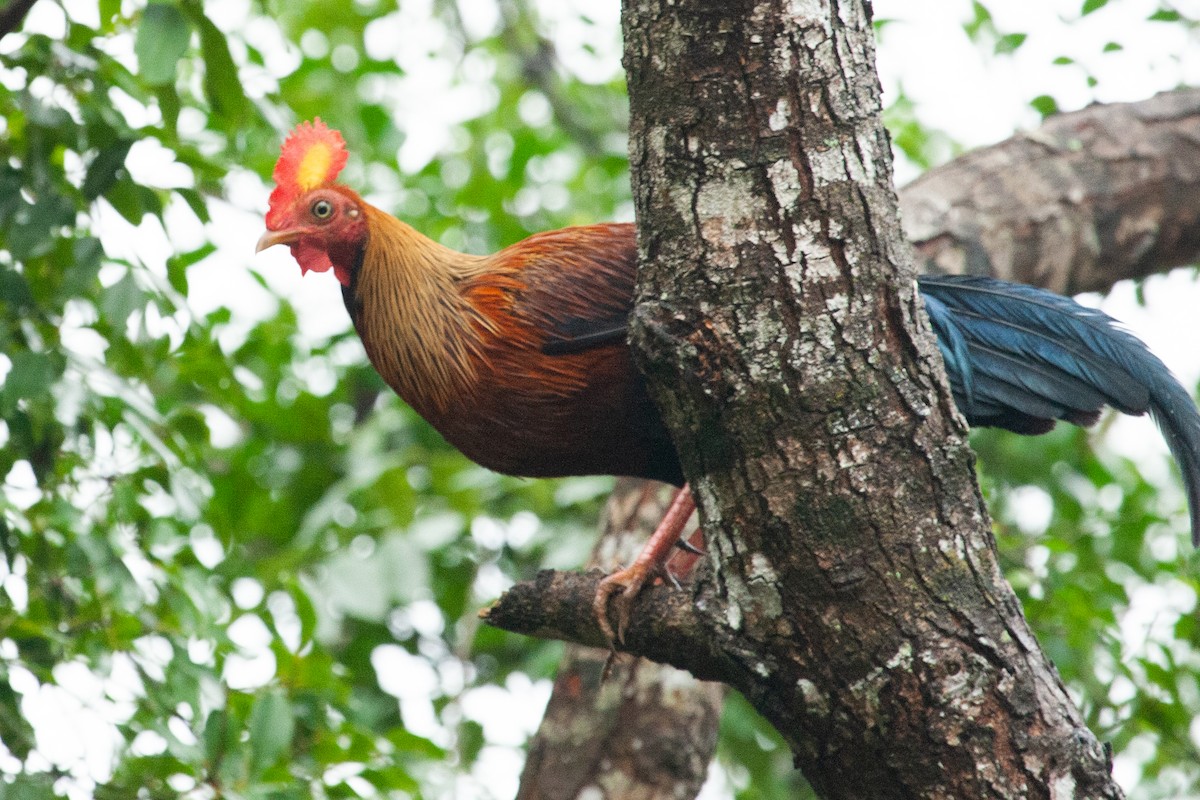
681 563
626 583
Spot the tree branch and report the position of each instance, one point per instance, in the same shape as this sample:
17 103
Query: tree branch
632 728
538 65
628 726
1089 198
13 14
558 605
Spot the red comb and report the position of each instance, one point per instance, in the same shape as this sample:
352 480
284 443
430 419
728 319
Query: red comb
312 156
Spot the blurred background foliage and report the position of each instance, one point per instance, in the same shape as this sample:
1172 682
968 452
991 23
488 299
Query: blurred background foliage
232 565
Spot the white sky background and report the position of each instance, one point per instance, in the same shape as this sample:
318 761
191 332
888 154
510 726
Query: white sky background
976 100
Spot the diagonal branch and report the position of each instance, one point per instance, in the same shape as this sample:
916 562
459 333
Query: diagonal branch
1089 198
667 627
13 14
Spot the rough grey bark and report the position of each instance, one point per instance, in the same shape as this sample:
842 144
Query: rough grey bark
855 590
1089 198
1046 208
854 596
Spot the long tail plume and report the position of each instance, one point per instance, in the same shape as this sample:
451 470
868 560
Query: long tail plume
1020 358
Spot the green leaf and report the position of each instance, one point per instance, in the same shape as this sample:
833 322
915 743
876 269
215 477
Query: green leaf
162 39
216 737
305 611
1045 105
120 300
86 254
109 9
271 728
194 256
1165 15
30 376
150 200
103 171
981 18
470 740
34 226
30 787
10 196
1092 5
1009 43
196 203
190 424
177 265
14 290
222 86
169 104
407 742
18 733
127 200
392 777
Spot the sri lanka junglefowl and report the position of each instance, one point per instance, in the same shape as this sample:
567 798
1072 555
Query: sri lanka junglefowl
519 358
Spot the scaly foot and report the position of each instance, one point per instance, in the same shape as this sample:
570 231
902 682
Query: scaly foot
619 590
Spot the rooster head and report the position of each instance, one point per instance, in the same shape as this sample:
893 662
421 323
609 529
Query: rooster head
322 221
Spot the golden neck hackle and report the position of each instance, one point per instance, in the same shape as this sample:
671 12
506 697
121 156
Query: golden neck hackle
420 333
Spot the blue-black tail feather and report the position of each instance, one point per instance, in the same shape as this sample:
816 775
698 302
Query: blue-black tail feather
1020 358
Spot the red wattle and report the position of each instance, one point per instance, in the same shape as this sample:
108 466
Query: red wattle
311 258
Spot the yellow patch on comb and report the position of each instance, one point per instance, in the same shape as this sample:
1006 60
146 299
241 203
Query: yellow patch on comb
314 166
311 157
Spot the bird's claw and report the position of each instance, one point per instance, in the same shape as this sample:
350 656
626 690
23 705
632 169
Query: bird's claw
666 573
620 590
616 593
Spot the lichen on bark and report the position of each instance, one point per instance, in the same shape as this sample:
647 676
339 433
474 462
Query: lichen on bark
851 556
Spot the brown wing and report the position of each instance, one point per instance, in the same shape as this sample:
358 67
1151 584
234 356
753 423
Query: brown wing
577 286
560 376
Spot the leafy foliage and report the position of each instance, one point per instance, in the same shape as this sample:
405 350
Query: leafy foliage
232 564
221 520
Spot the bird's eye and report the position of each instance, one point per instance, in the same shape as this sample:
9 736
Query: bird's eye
322 209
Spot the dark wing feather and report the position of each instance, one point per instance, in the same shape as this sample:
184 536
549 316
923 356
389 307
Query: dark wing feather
582 334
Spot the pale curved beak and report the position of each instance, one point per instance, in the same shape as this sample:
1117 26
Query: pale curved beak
272 238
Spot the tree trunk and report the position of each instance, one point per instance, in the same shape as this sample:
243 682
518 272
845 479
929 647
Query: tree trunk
1047 208
854 596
